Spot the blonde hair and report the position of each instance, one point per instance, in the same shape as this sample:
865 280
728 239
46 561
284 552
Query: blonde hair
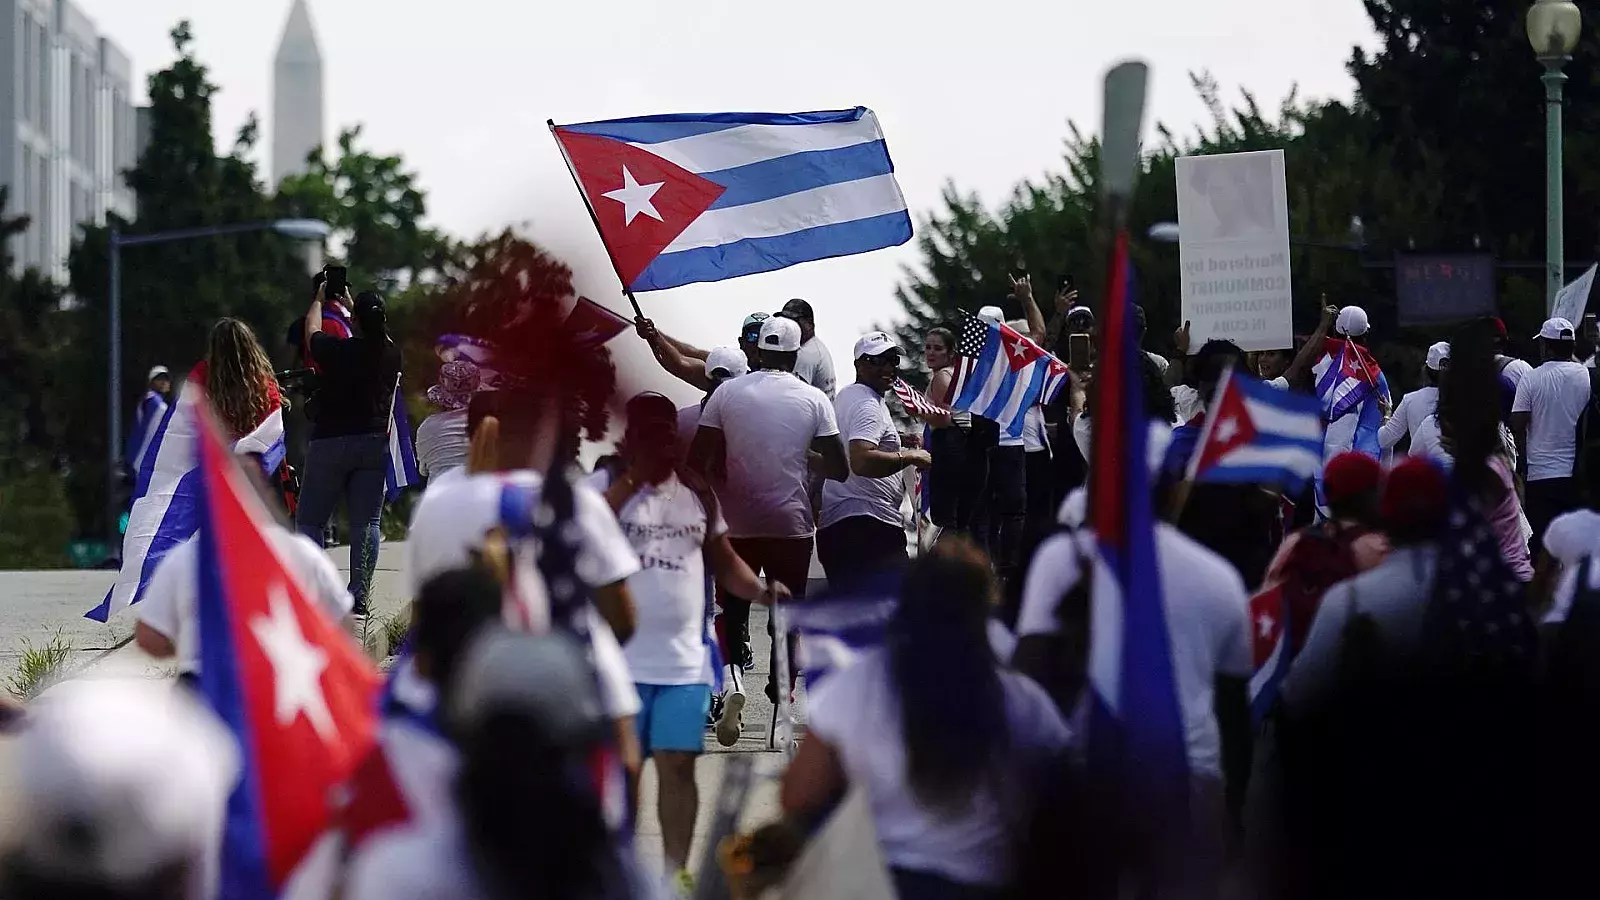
239 377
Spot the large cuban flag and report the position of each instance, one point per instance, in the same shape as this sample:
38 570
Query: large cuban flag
1002 374
1258 434
166 501
681 199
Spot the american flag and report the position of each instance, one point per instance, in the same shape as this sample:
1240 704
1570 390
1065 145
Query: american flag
1478 612
1002 374
915 402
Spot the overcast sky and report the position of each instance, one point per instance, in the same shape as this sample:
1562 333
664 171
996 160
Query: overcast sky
975 93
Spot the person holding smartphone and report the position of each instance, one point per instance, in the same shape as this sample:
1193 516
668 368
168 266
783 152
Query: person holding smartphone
348 451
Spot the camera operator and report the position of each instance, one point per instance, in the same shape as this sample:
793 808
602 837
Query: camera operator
348 450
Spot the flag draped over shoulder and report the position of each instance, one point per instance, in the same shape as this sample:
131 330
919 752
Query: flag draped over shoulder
681 199
1352 383
166 502
1002 373
1136 742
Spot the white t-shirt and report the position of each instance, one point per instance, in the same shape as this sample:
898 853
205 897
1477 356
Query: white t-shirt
1408 416
1555 394
1426 441
1034 436
427 861
1208 623
857 712
863 416
442 442
667 526
768 420
169 601
814 365
1514 370
456 512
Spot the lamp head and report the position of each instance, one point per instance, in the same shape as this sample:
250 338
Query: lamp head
1554 27
303 229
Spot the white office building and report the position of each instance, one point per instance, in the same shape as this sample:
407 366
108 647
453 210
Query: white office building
67 128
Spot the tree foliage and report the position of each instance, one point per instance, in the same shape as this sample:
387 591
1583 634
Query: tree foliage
376 209
1441 149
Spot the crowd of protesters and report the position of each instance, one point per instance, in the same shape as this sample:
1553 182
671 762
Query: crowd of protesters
1386 682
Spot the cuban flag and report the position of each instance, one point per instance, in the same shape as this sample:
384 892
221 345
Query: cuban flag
1136 745
146 421
1350 382
1002 374
1257 434
593 325
401 472
1271 652
681 199
297 693
166 500
837 628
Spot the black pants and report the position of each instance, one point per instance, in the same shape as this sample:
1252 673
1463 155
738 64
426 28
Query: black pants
1548 498
1007 504
859 546
784 560
955 481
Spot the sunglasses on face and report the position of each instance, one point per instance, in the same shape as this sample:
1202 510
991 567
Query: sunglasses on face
887 360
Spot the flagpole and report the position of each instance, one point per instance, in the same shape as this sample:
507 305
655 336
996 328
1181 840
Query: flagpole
593 217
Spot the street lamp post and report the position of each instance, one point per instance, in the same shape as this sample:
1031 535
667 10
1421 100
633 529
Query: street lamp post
296 229
1553 30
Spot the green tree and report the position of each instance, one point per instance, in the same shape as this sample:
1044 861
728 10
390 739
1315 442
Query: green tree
171 293
35 520
376 208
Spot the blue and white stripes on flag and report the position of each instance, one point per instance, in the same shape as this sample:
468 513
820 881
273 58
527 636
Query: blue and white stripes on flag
1002 374
166 504
711 196
836 629
402 469
146 421
1257 434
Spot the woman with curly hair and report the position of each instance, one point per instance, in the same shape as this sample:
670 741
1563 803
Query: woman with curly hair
238 378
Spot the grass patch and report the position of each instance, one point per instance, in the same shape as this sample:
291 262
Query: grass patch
396 627
39 667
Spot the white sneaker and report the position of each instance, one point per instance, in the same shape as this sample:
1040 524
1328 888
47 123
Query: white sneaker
731 725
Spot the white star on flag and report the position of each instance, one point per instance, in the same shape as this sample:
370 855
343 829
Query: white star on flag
1018 350
1226 429
1264 624
635 197
297 667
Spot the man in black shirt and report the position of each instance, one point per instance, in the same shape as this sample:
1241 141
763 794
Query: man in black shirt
348 450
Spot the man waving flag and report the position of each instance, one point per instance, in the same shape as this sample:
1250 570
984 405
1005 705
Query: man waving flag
680 199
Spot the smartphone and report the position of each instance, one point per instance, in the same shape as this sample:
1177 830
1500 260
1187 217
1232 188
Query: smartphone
336 285
1078 350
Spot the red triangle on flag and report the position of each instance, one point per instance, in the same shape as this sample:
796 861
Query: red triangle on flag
1229 427
306 694
1020 352
642 202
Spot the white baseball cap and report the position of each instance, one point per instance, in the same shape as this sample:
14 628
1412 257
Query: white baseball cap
1438 355
873 343
1556 329
728 359
1572 536
992 313
780 334
116 779
1353 322
157 370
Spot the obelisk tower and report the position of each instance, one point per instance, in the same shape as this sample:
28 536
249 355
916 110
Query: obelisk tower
297 110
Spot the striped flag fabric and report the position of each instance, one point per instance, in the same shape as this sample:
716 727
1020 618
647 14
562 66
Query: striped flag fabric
1257 434
1003 373
915 402
681 199
166 502
401 472
837 628
1136 743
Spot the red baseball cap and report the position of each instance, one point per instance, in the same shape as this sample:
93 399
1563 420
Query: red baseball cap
1415 494
1349 474
1498 325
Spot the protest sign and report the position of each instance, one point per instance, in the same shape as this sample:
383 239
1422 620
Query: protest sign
1573 300
1233 248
